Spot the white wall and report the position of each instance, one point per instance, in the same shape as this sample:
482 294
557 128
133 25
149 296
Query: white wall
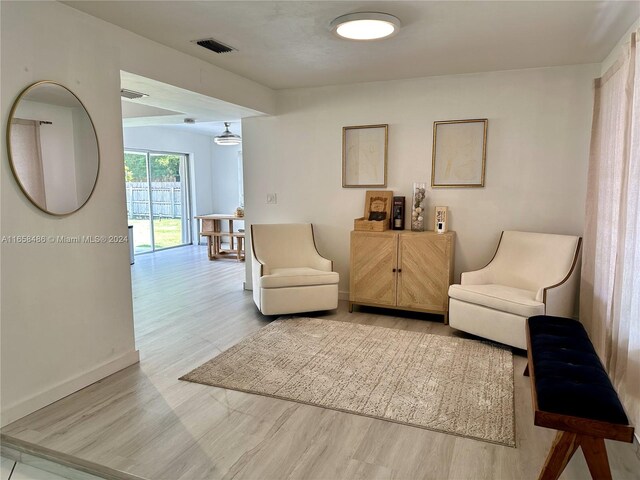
66 309
225 177
537 154
86 151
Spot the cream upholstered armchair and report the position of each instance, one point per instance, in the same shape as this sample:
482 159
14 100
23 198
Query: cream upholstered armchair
289 275
530 274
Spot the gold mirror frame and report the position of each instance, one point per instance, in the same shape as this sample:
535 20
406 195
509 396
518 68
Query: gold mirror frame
10 153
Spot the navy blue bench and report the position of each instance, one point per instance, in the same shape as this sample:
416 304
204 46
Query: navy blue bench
572 393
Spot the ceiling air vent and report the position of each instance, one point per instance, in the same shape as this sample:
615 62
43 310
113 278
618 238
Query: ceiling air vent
214 45
131 95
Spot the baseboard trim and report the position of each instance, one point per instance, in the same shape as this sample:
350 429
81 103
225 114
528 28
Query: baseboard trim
42 399
343 295
58 463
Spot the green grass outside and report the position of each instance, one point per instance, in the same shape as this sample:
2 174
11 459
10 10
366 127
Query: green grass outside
167 233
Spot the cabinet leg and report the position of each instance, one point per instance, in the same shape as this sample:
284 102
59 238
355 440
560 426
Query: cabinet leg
350 307
446 318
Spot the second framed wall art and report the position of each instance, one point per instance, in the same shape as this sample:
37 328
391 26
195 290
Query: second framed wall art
459 153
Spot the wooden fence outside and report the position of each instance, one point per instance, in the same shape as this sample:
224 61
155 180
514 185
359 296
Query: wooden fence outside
165 196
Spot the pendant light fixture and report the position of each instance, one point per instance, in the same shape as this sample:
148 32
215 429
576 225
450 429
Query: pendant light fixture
227 138
365 26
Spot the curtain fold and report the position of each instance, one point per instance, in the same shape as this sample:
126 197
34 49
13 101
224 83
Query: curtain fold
27 158
610 284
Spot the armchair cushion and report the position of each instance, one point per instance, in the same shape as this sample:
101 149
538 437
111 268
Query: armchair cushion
297 277
499 297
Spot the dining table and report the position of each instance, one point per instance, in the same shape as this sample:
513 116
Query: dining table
211 228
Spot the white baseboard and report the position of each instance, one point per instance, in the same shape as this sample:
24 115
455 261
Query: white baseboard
35 402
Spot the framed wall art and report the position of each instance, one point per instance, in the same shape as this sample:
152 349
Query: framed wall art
459 153
364 156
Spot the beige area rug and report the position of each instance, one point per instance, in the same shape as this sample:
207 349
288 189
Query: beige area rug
447 384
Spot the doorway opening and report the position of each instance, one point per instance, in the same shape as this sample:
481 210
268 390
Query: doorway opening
158 199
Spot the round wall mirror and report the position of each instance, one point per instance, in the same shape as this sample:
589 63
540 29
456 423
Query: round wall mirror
53 148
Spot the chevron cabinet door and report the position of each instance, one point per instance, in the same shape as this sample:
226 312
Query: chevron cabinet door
424 271
374 258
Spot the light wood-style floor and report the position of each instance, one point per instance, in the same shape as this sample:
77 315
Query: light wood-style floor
144 421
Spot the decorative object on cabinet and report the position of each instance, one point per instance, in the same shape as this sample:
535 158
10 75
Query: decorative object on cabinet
418 206
440 219
459 153
364 156
530 274
402 270
398 213
53 148
377 211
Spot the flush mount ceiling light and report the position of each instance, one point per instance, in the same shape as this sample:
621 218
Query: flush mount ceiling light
227 138
365 26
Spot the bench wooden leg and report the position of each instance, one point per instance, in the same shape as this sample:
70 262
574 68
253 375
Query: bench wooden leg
595 453
563 448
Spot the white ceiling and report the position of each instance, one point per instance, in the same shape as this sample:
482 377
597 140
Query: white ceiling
167 105
288 44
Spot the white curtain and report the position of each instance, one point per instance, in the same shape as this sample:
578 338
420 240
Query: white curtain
26 156
610 288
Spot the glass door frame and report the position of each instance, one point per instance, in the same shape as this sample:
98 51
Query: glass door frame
185 180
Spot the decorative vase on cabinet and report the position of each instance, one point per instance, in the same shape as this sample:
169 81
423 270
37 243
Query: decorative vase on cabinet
402 270
418 207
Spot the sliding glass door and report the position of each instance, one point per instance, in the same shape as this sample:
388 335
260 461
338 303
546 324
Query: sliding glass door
157 199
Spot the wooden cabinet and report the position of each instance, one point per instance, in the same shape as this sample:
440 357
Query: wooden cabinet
402 269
